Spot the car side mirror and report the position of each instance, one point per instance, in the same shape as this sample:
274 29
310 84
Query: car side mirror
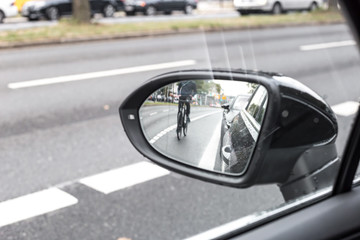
226 106
281 123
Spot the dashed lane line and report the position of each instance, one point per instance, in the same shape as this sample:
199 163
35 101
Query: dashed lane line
124 177
172 127
49 200
346 109
327 45
208 158
33 205
92 75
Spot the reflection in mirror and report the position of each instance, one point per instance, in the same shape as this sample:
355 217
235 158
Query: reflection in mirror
209 124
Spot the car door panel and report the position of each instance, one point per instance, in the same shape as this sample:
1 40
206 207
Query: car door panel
96 6
334 218
164 5
65 6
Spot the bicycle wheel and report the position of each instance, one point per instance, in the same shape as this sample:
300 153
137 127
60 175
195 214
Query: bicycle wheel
179 125
185 123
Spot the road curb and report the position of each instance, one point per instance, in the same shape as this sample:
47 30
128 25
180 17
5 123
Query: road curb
152 34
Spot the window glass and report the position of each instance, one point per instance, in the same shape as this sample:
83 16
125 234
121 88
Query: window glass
261 114
63 151
255 107
238 104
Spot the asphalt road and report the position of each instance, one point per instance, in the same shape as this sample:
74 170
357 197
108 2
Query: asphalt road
55 135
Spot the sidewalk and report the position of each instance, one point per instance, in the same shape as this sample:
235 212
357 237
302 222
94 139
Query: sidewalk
211 7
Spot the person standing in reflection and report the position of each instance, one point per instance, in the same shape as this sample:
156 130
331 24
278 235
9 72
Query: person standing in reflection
186 90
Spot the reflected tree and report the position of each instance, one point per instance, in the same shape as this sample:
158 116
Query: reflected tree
252 87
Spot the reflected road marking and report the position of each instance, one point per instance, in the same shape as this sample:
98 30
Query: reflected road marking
208 159
173 127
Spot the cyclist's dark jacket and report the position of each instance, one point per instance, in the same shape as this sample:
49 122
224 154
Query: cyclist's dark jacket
187 88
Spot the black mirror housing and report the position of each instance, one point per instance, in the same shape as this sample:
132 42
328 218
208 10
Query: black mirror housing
296 120
226 106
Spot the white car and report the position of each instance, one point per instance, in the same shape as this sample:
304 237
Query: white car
7 9
276 6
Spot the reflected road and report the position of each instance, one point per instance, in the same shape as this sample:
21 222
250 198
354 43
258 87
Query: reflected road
193 148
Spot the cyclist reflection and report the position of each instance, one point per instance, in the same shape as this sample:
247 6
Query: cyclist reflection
186 90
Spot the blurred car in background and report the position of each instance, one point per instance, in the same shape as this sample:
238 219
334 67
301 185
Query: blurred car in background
20 3
151 7
160 98
7 9
54 9
276 6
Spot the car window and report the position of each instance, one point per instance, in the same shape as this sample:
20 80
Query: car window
256 107
260 117
238 104
68 170
356 180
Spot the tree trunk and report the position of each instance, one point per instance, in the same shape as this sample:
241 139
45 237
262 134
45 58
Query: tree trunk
332 4
81 11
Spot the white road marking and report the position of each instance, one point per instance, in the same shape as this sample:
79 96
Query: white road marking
154 113
346 109
165 110
208 159
327 45
34 204
124 177
173 127
109 73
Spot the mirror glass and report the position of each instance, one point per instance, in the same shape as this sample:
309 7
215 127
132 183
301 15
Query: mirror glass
210 124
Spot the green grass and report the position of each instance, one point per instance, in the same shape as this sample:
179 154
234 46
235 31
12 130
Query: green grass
70 30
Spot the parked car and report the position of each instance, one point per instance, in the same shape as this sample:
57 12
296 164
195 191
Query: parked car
169 99
240 129
230 111
7 9
151 7
275 6
160 98
54 9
